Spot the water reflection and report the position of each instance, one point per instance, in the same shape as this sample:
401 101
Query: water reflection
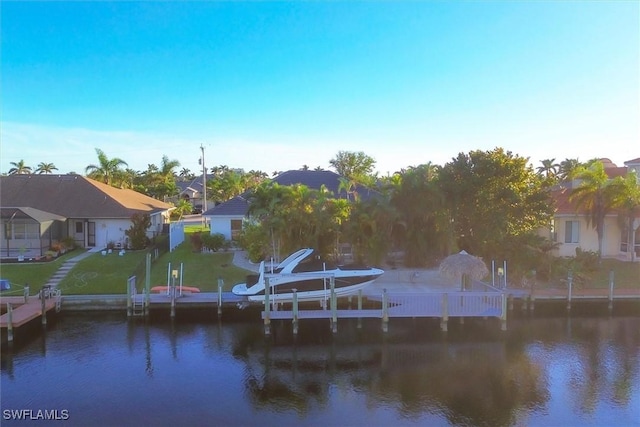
469 383
540 372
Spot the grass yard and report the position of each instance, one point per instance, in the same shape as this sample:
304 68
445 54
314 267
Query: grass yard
199 270
626 274
36 274
100 274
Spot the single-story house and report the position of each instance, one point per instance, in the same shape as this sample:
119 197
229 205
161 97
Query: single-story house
227 218
192 191
38 210
571 230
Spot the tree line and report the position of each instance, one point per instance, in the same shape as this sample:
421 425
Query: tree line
489 203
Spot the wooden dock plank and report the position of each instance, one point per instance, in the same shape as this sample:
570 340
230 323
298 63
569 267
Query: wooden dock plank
24 313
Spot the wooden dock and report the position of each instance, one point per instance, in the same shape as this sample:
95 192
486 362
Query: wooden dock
22 310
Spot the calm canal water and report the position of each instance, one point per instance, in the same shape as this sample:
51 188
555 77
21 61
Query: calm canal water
102 370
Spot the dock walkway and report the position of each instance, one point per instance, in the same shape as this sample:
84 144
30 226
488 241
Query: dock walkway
25 312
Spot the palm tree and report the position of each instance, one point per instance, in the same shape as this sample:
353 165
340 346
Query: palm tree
596 196
46 168
549 169
107 170
19 168
266 206
167 166
629 203
185 174
568 169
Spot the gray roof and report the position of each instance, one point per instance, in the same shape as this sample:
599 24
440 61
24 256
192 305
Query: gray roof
27 212
310 178
74 196
316 179
238 206
195 184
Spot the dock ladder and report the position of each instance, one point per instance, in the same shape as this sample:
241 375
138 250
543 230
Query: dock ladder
137 301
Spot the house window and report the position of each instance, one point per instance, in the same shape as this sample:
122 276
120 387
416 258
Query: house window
571 231
236 228
22 231
78 226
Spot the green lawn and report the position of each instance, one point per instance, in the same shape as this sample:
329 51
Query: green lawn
100 274
199 270
36 274
626 274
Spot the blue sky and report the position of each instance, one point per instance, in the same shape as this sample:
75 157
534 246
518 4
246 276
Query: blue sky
274 86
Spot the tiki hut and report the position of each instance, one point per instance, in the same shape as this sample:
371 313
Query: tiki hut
463 267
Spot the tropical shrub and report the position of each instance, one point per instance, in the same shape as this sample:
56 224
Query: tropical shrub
69 243
213 242
137 233
255 240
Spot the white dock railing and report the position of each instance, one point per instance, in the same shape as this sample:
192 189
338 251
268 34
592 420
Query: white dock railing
442 305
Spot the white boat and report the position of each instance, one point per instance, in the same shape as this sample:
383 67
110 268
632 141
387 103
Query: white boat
311 276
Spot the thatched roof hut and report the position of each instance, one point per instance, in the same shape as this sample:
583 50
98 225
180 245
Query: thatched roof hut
462 264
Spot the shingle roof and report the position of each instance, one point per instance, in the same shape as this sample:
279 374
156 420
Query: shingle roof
74 196
316 179
310 178
238 206
27 212
633 162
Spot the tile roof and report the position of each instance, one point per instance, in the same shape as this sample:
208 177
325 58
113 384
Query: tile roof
616 171
74 196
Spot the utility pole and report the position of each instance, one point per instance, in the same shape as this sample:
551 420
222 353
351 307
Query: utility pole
204 182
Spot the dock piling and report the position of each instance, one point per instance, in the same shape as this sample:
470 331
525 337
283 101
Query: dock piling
611 276
359 308
43 301
172 290
220 285
445 312
295 311
503 315
385 311
267 307
26 293
334 305
569 289
147 286
9 322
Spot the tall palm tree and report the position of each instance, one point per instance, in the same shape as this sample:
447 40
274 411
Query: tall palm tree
549 169
19 168
596 196
185 174
568 169
45 168
107 170
629 204
166 168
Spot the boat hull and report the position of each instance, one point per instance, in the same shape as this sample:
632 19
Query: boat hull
322 294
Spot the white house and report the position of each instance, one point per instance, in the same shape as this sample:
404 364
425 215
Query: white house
38 210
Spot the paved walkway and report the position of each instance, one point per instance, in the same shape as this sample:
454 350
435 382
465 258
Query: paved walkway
240 260
66 266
